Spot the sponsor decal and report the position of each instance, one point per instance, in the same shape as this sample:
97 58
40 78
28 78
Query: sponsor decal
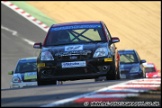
30 75
74 52
73 64
77 27
72 48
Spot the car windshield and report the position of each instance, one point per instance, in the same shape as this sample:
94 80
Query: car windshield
75 34
128 58
23 67
149 69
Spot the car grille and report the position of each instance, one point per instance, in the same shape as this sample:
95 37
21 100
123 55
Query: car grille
71 71
74 71
73 55
124 72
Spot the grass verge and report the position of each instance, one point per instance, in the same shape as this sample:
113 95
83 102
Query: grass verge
34 12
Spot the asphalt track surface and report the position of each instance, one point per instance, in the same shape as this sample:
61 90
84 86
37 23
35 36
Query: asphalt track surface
13 47
15 29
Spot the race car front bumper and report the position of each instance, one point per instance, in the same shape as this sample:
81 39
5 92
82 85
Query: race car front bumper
128 75
85 69
23 84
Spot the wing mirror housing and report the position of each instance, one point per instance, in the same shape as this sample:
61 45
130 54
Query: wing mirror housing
10 73
142 61
37 45
115 39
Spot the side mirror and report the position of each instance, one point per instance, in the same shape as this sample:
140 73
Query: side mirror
158 70
115 39
10 73
142 61
37 45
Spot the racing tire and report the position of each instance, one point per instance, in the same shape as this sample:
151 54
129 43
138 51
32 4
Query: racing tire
112 74
44 82
40 82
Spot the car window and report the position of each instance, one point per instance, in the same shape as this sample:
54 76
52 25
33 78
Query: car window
128 58
149 69
75 34
26 67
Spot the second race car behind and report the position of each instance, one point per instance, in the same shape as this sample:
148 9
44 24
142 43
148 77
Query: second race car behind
130 64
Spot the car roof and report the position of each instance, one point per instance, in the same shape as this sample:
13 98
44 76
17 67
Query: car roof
76 23
28 59
148 65
126 50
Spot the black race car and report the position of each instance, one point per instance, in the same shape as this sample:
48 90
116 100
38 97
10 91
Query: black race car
76 50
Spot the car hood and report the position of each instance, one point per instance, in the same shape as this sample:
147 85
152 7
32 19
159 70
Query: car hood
86 48
128 67
27 76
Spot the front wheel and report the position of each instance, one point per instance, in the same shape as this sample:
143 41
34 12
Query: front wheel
112 74
44 82
40 82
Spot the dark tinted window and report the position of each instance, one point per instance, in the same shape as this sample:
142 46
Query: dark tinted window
149 69
128 57
75 34
26 67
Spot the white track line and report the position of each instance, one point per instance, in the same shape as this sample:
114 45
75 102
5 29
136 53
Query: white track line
14 33
28 41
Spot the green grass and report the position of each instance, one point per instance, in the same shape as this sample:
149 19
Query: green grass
34 12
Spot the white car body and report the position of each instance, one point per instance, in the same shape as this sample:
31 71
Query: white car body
25 73
23 83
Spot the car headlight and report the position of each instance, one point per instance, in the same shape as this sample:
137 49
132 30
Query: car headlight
100 52
46 55
135 69
16 79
